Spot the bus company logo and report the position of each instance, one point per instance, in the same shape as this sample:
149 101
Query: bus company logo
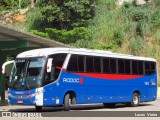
73 80
81 80
20 93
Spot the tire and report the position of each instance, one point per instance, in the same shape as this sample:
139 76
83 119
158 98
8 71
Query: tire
38 108
109 104
67 102
135 100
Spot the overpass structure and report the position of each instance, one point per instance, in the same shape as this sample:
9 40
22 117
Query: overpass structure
13 42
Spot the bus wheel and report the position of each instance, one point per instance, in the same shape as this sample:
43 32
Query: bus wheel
38 108
67 102
109 104
135 100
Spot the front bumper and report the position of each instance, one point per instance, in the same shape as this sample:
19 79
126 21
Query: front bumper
21 100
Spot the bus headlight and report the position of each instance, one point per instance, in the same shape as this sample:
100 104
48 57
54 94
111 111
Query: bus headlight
25 96
9 94
37 93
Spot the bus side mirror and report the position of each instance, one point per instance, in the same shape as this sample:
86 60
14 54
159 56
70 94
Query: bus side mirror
4 66
49 65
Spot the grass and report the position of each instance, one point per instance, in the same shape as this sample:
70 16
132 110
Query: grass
115 28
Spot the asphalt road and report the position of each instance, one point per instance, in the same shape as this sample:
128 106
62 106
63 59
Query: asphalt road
146 106
89 110
58 113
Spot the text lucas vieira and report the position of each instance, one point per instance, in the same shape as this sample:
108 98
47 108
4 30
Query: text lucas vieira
146 114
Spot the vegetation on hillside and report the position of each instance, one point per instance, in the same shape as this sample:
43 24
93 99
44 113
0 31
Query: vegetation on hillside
99 24
13 4
65 20
127 29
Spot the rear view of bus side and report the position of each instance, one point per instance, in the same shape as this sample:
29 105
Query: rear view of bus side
70 76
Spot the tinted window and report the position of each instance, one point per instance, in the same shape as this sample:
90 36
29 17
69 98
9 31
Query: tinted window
150 68
89 64
153 66
73 64
140 67
121 65
57 63
134 67
113 66
106 65
81 63
127 67
97 64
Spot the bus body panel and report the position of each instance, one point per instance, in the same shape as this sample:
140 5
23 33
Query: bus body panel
15 96
94 90
91 90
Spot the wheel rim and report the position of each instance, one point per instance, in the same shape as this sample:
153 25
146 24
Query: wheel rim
70 101
135 100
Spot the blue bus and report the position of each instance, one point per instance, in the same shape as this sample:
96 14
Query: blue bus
51 77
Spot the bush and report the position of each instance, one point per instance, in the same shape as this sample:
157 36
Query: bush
110 4
157 3
140 16
13 4
140 29
9 4
24 3
42 34
155 19
79 33
106 46
32 21
118 36
136 46
157 37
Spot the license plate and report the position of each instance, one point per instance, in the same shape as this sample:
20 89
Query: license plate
20 101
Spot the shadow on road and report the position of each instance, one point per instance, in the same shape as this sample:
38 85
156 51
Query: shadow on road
76 108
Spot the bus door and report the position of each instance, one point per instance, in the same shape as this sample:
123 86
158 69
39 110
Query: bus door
51 79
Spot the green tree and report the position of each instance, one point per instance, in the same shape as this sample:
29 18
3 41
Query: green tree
65 14
13 4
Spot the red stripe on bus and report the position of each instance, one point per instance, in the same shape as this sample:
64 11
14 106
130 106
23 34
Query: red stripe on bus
60 68
109 76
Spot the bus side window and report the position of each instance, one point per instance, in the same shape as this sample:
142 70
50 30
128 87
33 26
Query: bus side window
97 65
113 65
121 65
89 64
134 67
150 68
80 63
141 67
106 65
57 62
73 64
127 66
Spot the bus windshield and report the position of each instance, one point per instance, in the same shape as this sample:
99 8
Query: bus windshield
27 73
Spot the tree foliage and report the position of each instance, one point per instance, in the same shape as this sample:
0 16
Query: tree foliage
66 36
66 14
13 4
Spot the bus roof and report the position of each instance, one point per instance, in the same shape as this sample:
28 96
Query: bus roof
80 51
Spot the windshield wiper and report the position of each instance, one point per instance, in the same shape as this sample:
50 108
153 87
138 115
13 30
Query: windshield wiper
14 83
27 86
